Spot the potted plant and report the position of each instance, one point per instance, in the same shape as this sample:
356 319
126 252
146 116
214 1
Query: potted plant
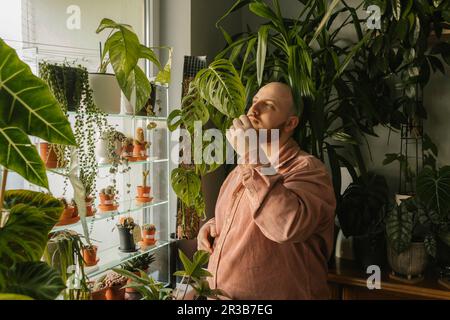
137 264
90 255
127 149
126 234
109 146
69 215
124 60
144 190
109 287
361 212
140 145
107 199
148 234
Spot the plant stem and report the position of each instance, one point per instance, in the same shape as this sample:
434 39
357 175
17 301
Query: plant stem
187 285
2 192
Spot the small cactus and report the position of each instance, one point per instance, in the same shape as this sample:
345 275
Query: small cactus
145 174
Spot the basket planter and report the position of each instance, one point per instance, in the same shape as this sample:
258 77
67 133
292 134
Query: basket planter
106 92
410 263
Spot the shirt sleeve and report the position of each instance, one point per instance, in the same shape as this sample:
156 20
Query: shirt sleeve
293 208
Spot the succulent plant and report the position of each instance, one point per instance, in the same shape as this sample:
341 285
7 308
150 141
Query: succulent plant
139 263
145 174
149 227
111 279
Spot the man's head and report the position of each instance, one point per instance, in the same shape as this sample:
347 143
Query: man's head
273 107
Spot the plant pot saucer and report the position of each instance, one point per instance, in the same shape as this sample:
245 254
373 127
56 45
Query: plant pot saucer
104 208
144 158
144 199
132 159
130 250
68 221
144 245
92 265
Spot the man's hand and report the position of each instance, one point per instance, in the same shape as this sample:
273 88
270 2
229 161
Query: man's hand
208 230
243 137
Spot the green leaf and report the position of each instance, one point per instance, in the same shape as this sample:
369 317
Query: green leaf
186 185
433 188
263 10
187 264
163 76
25 234
27 103
18 154
34 279
344 137
396 9
324 21
12 296
263 33
122 46
220 86
147 53
399 227
138 84
391 157
236 6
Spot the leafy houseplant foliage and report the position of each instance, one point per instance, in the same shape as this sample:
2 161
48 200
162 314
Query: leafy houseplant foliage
27 107
88 119
363 205
193 273
63 251
139 263
23 240
123 51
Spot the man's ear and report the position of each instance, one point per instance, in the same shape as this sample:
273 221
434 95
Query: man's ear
292 123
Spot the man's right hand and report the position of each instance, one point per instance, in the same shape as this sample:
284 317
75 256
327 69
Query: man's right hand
208 230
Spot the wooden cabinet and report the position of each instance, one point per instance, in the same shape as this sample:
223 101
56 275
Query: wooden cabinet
348 282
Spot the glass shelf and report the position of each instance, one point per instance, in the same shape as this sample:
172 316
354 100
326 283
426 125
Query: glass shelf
107 165
125 207
112 257
130 116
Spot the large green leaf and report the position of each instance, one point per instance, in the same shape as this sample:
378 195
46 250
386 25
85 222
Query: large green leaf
138 84
17 153
13 296
123 47
163 75
399 227
34 279
25 234
26 102
433 188
186 184
220 86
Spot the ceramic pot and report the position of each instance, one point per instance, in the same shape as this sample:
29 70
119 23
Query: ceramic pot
106 92
126 238
410 263
143 194
115 293
139 152
148 237
127 107
102 152
99 295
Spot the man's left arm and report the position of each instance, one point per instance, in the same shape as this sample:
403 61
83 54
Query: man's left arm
289 210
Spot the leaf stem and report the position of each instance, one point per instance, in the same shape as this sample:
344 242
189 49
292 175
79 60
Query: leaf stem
2 193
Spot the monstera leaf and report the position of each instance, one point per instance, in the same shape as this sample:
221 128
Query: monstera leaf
220 86
27 107
433 188
186 184
34 279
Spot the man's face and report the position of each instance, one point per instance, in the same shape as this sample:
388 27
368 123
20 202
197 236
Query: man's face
272 107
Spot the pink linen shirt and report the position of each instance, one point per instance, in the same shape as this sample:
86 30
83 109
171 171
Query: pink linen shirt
275 231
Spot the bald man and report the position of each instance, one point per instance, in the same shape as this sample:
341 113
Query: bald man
272 234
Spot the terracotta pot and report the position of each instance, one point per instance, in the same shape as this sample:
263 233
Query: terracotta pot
148 236
143 192
99 295
139 152
129 290
68 213
411 262
90 256
106 199
115 293
48 156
